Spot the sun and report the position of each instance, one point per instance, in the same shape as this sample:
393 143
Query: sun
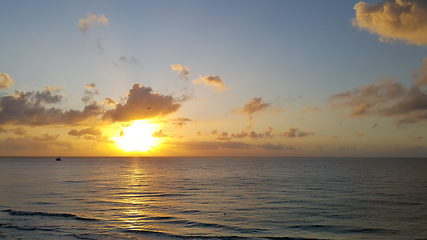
138 137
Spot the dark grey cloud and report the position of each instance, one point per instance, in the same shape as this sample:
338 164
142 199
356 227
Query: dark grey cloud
384 98
85 131
179 122
89 92
45 137
224 136
29 109
142 103
209 145
296 132
212 145
130 60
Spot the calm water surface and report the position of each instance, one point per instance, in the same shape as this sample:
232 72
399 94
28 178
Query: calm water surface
213 198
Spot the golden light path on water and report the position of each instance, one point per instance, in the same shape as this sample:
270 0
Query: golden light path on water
137 137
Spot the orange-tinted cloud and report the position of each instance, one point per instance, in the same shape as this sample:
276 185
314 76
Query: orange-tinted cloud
295 132
109 102
254 105
212 145
357 133
309 109
159 134
182 71
179 122
86 131
5 81
404 20
215 81
142 103
224 136
92 20
45 137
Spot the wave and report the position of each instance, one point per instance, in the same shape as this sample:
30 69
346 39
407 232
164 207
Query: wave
343 229
46 214
27 228
161 235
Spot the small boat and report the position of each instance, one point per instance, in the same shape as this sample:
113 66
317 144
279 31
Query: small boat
58 159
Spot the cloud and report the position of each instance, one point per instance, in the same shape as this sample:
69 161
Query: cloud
109 102
277 147
89 91
254 135
179 122
346 149
28 108
420 75
242 134
92 20
404 20
215 81
86 131
20 131
415 137
224 137
199 133
142 103
254 105
214 132
384 98
129 60
22 144
210 145
104 139
309 109
182 71
99 45
159 134
5 81
45 137
295 132
357 133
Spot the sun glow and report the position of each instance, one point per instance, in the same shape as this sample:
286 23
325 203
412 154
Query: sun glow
138 137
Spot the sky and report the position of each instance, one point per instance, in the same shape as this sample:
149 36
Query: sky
213 78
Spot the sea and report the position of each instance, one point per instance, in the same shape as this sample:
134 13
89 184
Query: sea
213 198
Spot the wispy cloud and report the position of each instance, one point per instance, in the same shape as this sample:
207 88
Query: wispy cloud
296 132
253 106
182 71
85 131
92 20
89 91
215 81
130 60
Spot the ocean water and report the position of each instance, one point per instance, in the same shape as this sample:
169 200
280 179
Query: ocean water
213 198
